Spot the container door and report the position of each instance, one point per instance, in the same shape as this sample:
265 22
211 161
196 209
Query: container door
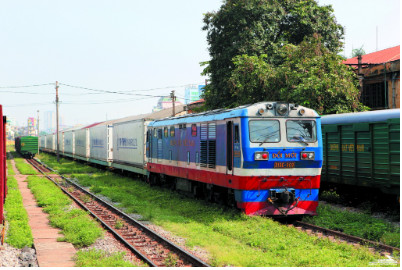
229 147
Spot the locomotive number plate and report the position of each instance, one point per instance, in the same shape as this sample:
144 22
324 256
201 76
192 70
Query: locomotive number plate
284 165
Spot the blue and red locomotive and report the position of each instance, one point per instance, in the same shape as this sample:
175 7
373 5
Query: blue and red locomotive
266 158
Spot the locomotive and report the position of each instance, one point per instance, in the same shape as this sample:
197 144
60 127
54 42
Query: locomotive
266 157
263 158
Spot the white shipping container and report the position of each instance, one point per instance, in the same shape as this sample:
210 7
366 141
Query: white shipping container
50 142
42 142
69 142
61 142
81 142
100 142
129 143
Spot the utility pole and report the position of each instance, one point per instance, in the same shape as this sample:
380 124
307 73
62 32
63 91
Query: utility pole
37 125
57 121
173 100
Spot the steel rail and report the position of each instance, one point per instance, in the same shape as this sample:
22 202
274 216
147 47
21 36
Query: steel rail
342 235
128 245
196 262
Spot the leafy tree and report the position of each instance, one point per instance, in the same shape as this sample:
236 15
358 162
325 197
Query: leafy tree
252 44
309 75
357 52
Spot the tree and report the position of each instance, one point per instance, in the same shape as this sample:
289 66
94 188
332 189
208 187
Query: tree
260 29
308 75
357 52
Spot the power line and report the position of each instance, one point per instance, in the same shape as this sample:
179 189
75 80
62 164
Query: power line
26 86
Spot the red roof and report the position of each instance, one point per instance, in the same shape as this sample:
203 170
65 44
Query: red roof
197 101
384 56
92 125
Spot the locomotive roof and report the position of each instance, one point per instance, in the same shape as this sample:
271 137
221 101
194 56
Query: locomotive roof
360 117
249 110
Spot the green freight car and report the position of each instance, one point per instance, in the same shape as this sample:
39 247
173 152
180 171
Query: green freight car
27 146
362 150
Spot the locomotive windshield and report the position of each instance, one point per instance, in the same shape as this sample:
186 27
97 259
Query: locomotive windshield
262 131
301 131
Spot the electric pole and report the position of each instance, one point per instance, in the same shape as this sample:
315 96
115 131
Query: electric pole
57 121
172 96
37 125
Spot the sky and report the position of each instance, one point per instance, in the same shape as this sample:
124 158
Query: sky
143 48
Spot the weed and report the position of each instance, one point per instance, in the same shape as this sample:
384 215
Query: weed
76 224
171 260
70 189
119 224
330 196
85 198
99 258
19 232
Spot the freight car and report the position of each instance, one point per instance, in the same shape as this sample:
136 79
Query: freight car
26 146
265 158
3 166
363 150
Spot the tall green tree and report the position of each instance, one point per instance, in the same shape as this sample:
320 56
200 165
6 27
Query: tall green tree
260 29
308 75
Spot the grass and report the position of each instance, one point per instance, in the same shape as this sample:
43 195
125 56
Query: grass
78 228
99 258
230 238
19 233
357 224
66 166
23 167
10 170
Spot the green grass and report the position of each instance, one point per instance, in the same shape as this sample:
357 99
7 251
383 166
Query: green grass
357 224
66 166
23 167
75 224
230 238
10 170
99 258
19 233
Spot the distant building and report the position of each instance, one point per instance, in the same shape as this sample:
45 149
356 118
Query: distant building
165 103
192 93
379 76
49 122
32 126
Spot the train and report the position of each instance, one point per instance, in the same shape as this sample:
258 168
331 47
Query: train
27 146
3 165
262 158
362 150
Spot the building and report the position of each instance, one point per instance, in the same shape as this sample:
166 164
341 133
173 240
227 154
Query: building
49 122
32 126
165 103
192 93
379 77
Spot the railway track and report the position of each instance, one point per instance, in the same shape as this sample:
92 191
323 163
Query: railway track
144 243
309 228
332 234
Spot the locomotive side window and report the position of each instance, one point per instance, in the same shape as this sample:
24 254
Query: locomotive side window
172 131
194 130
301 131
264 131
165 132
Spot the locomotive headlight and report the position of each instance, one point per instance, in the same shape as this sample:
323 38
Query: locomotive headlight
282 109
307 155
261 155
261 111
302 111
